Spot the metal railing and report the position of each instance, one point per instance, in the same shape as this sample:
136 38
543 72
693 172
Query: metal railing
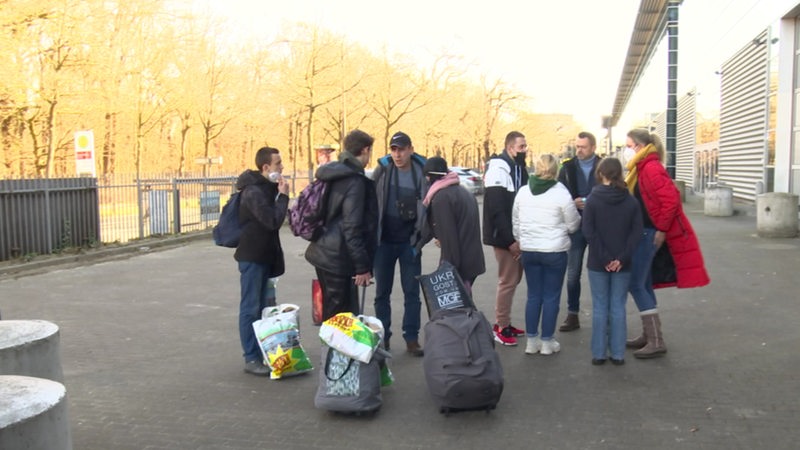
43 216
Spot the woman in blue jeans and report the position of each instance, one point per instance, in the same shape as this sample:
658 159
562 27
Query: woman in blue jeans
612 224
542 218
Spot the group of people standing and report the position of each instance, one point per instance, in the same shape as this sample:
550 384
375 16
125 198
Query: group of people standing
633 225
538 225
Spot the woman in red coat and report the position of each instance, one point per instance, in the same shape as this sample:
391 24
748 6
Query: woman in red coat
668 253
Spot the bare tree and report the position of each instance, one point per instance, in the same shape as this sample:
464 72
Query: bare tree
497 96
314 73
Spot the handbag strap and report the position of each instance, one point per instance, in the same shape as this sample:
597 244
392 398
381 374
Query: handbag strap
328 364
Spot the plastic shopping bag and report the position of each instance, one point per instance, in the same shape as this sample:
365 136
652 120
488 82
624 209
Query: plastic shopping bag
355 336
278 335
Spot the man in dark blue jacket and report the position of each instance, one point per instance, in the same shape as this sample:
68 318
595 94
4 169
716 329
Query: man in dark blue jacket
264 201
577 174
400 186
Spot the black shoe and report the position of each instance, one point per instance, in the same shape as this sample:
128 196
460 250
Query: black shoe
617 362
256 368
599 362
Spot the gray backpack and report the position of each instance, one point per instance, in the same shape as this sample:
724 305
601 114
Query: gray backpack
462 368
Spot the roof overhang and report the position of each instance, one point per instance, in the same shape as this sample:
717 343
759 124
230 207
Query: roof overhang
650 26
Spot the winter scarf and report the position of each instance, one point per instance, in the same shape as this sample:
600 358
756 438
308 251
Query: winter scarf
633 172
448 180
539 185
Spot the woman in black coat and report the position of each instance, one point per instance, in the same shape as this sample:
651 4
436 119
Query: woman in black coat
454 220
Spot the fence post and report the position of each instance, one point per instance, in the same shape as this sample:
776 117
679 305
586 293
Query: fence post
140 206
48 220
176 207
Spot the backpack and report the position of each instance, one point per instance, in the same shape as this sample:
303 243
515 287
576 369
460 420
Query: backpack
307 215
228 230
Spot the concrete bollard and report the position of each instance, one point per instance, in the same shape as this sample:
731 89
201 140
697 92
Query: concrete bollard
776 215
33 414
718 201
31 348
681 185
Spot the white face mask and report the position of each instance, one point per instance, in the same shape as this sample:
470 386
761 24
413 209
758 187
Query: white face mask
630 151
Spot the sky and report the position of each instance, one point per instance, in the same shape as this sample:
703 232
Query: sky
566 55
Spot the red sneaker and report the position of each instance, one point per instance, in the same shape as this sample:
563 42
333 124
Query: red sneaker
516 331
504 336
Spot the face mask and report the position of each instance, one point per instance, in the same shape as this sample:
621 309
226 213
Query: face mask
630 150
520 158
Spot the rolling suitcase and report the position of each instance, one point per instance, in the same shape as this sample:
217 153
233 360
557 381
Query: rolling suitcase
349 386
462 368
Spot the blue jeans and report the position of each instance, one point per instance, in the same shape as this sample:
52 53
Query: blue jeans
544 275
609 292
386 257
574 268
641 287
256 295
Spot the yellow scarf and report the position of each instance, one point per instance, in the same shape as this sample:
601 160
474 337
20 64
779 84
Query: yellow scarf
633 172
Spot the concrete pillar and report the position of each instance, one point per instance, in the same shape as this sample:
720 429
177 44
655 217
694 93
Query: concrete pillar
31 348
776 215
33 414
718 201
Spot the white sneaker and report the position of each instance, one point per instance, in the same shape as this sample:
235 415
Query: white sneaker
534 345
550 347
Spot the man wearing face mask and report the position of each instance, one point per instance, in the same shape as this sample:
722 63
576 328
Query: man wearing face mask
264 201
505 174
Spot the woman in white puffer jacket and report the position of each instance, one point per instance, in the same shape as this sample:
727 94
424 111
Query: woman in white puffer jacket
543 216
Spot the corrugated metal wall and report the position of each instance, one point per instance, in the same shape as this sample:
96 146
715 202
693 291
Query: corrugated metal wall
743 118
660 124
40 216
686 138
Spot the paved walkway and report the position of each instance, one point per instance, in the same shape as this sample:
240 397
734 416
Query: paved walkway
152 361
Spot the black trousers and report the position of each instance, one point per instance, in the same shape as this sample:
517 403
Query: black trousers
339 294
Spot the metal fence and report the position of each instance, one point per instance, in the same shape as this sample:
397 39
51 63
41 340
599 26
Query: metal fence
135 208
43 216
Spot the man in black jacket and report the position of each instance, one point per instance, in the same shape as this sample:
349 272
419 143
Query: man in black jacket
264 200
577 174
505 174
344 254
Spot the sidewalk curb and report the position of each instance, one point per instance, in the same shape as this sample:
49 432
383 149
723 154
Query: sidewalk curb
12 270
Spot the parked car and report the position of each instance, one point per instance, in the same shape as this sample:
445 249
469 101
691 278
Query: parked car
470 179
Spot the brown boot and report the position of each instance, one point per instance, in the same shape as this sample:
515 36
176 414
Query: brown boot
570 323
413 348
655 346
637 343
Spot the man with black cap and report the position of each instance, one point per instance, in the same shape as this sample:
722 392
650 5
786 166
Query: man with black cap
400 186
454 220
